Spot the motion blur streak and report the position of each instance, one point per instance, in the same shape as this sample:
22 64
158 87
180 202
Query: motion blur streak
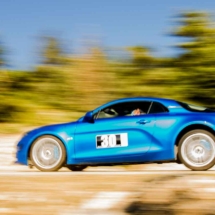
104 200
140 189
107 194
62 87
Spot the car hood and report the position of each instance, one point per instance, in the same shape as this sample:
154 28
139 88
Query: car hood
54 129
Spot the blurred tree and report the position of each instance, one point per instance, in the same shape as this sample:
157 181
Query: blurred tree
141 57
52 53
4 77
200 38
198 55
2 53
65 86
93 83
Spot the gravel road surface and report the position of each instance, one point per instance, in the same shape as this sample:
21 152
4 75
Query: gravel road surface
138 189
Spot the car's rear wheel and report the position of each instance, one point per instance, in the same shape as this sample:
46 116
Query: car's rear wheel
76 167
47 153
197 150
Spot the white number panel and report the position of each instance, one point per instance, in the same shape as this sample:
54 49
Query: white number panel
112 140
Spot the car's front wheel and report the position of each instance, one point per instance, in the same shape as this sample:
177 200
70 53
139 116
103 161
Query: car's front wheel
197 150
47 153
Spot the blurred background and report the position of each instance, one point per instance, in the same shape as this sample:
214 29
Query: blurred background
61 59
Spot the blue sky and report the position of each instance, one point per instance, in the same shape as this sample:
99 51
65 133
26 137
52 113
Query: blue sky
115 23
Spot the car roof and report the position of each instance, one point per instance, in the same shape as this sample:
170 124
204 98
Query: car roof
145 98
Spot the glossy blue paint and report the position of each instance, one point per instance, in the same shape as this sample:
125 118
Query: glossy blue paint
150 137
139 138
62 131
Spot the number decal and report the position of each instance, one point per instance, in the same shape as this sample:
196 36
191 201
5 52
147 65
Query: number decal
104 139
112 140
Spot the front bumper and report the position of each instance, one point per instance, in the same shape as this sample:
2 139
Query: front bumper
22 150
21 157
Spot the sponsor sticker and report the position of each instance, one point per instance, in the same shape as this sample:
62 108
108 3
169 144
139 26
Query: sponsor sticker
112 140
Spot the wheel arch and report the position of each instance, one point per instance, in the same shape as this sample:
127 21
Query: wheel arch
190 128
48 134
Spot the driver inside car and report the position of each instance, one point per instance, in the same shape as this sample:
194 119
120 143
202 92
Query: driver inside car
137 112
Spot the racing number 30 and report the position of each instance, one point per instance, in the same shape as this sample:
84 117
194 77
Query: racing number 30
112 140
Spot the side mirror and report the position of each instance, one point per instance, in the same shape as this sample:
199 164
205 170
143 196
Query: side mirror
89 117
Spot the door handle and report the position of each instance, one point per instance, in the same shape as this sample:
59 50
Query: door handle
143 121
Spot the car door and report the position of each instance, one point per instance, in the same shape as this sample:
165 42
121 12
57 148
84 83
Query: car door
115 139
162 147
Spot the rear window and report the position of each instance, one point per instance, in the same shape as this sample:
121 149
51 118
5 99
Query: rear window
195 108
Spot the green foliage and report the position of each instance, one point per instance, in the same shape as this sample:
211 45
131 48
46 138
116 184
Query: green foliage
52 53
198 55
64 87
2 55
141 58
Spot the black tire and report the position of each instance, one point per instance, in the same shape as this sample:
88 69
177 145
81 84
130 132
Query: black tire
76 167
51 151
196 150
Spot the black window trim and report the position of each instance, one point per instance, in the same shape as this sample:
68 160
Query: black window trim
148 112
167 110
150 106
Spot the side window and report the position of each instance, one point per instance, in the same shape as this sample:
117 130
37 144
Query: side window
158 108
125 109
107 113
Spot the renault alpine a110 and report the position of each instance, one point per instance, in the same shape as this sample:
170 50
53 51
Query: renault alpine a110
125 131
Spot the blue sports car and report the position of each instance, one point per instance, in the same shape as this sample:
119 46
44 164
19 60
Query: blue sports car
125 131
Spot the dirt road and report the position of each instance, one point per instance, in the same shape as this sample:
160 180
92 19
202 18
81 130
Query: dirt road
141 189
107 193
